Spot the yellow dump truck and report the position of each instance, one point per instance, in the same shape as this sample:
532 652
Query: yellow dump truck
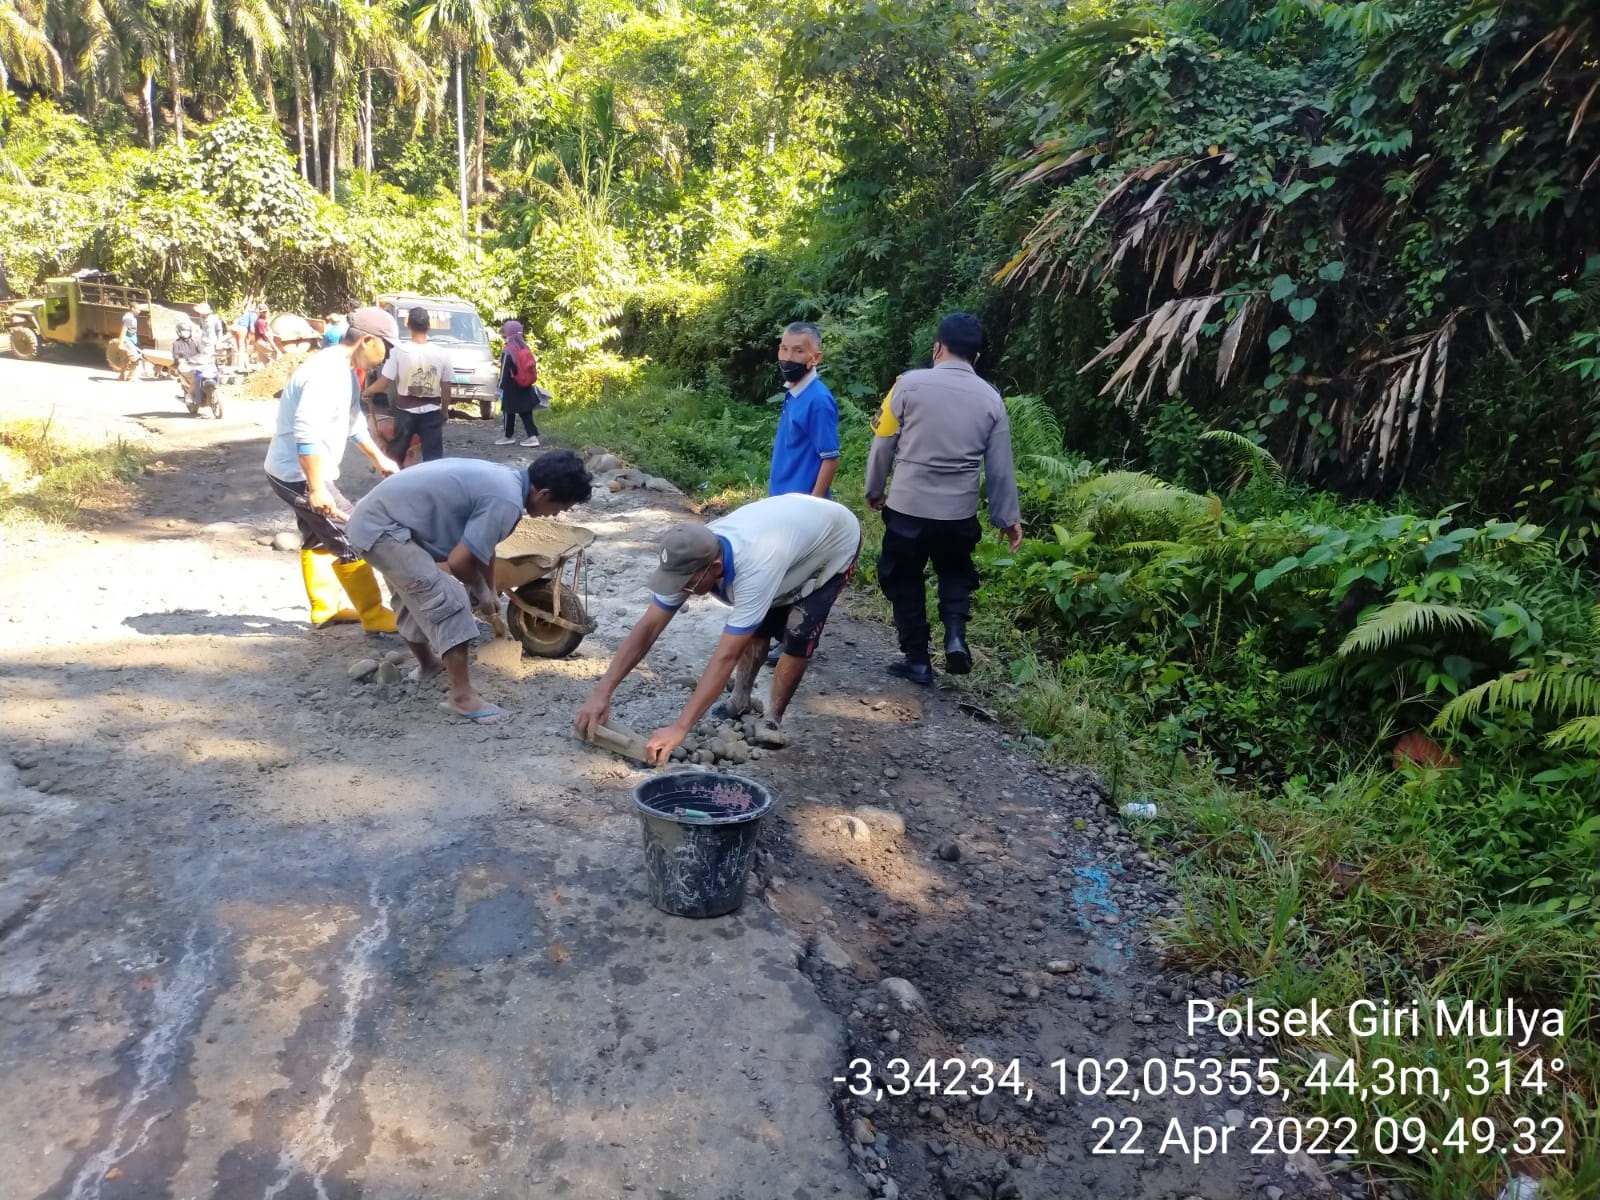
85 307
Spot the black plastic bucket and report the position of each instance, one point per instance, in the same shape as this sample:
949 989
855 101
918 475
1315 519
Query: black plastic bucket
700 830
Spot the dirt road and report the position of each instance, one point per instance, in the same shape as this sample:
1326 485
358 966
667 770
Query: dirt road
267 932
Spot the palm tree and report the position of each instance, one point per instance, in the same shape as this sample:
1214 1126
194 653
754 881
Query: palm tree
253 26
340 27
174 18
461 27
384 45
95 51
26 54
125 37
294 30
519 34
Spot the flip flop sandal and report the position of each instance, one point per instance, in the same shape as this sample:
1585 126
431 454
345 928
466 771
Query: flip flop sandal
492 715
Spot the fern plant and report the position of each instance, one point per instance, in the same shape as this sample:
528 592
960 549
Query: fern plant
1253 461
1408 621
1567 690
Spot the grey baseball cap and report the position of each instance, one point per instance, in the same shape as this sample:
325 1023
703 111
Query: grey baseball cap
686 550
375 322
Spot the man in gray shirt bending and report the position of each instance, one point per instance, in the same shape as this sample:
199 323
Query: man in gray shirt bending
936 429
455 511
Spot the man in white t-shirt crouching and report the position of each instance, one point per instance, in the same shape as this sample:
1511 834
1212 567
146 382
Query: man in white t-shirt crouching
779 563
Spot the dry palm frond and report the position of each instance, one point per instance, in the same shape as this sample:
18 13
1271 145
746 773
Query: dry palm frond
1175 324
1406 382
1144 223
1242 331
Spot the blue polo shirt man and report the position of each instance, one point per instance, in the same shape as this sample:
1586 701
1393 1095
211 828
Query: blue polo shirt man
805 451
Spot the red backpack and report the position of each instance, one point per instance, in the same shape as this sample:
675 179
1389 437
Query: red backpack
524 367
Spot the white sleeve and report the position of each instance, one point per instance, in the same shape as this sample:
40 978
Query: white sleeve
753 591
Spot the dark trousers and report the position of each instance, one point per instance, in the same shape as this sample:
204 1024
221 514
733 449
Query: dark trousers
527 421
909 545
317 532
429 426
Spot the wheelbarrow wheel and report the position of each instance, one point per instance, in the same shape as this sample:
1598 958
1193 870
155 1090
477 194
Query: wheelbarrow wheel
544 638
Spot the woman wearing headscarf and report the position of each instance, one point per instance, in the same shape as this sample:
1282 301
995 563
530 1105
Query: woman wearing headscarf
519 371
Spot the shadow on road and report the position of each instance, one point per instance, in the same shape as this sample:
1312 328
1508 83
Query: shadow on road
199 622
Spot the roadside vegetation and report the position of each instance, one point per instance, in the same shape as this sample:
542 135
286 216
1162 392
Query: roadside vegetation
1296 305
46 480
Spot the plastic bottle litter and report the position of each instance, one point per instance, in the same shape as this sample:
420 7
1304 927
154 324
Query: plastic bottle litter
1140 809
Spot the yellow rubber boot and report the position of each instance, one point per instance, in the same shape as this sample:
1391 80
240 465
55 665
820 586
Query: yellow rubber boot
323 590
361 585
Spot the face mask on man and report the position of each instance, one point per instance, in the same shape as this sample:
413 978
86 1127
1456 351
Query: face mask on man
792 372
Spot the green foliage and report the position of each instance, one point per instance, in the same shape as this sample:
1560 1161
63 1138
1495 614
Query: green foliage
1218 248
48 216
1278 645
1346 215
415 243
1349 891
45 479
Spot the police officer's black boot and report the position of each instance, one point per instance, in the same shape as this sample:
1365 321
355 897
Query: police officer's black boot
915 671
957 658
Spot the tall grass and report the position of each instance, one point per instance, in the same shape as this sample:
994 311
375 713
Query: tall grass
1324 893
45 479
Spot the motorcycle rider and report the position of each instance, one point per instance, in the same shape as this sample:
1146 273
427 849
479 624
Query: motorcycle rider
194 359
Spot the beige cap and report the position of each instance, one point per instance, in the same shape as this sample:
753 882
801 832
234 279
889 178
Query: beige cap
686 550
203 309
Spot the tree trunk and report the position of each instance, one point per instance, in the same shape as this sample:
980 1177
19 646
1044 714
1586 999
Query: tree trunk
461 147
175 77
333 145
316 133
269 93
150 108
366 110
299 94
483 91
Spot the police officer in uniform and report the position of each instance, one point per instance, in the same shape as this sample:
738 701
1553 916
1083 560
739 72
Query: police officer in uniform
938 429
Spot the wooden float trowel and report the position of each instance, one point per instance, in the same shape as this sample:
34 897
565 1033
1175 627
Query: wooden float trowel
620 741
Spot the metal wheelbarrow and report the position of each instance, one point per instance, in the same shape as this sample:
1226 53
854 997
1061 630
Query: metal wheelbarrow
546 613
